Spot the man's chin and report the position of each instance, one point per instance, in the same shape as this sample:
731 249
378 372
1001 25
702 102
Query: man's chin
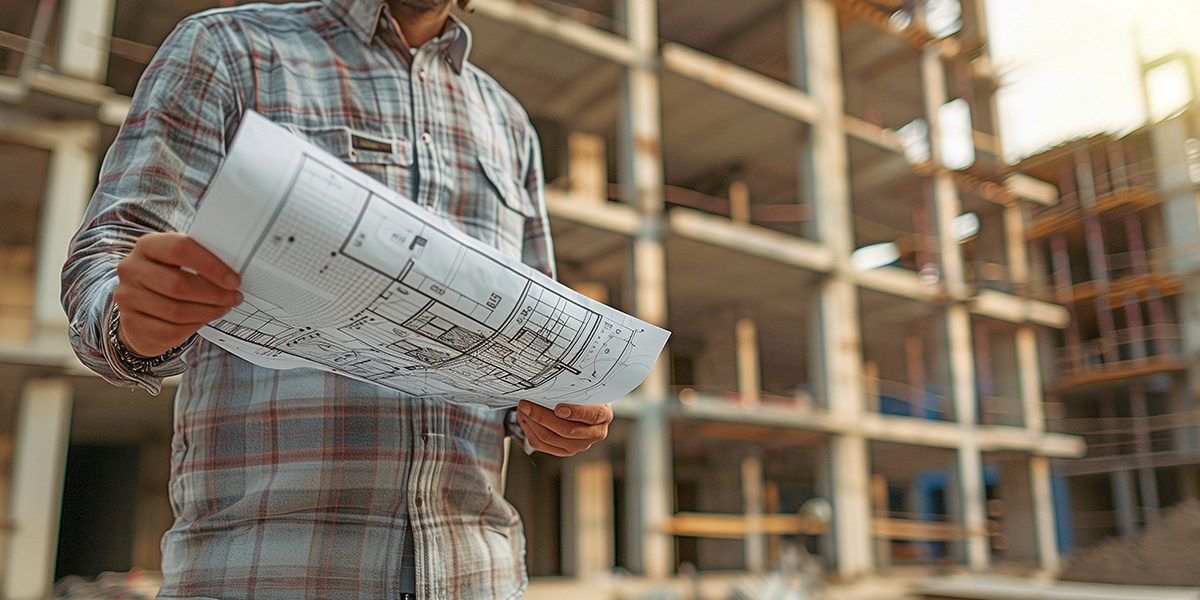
419 5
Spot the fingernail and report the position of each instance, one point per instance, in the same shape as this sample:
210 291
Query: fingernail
524 408
563 412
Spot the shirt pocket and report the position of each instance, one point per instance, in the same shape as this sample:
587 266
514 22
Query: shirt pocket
386 159
509 214
511 193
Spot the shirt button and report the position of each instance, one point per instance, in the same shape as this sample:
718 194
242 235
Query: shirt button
419 501
425 137
421 75
429 208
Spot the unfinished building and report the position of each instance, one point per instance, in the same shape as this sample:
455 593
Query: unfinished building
721 169
1119 250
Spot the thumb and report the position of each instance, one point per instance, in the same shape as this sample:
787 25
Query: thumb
592 414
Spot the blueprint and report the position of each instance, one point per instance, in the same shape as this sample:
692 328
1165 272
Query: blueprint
340 273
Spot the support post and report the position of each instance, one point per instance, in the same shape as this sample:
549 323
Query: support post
39 466
1122 485
817 52
640 140
970 460
588 170
1043 513
753 504
748 366
83 41
593 513
739 202
1029 372
72 175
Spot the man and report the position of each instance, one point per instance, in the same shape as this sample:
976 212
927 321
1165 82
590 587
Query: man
290 484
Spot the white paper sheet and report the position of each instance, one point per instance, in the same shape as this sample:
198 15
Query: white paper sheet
344 275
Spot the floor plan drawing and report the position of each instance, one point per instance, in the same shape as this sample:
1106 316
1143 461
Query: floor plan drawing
341 274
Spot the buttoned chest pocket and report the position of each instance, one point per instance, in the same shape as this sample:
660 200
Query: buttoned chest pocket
386 159
497 210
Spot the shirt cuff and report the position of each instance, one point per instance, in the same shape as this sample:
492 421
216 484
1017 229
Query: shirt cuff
516 432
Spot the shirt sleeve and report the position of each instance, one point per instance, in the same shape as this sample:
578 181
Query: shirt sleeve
165 154
538 251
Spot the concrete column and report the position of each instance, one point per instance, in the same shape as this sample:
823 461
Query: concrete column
817 22
83 41
1123 495
69 184
739 202
717 369
1030 373
1018 521
970 461
947 204
39 464
587 168
1189 482
592 514
749 370
753 506
1016 252
879 497
1041 487
640 137
1181 229
817 54
1147 480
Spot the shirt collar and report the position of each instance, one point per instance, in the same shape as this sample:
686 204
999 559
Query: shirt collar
362 17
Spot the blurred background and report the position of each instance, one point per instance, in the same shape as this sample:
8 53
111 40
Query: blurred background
931 268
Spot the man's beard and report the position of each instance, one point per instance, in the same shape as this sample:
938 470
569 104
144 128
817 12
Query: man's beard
419 6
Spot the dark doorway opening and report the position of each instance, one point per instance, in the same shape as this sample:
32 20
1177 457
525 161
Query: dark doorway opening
99 510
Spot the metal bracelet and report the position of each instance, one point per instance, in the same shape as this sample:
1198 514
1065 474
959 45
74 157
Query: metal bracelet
142 365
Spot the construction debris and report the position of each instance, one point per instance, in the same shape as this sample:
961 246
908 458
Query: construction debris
1163 554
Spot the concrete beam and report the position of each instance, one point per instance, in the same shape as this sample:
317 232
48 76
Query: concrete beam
885 428
873 134
568 31
1031 189
738 81
899 282
609 216
749 239
1014 309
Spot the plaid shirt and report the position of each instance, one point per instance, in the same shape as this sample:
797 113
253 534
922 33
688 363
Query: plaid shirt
289 484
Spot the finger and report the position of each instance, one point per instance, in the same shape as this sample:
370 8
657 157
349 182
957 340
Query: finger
170 282
133 300
543 439
563 428
592 414
180 250
547 435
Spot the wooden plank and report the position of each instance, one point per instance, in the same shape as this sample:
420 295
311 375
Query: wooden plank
731 526
904 529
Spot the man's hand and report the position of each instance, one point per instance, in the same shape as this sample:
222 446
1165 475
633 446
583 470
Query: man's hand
567 430
161 303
